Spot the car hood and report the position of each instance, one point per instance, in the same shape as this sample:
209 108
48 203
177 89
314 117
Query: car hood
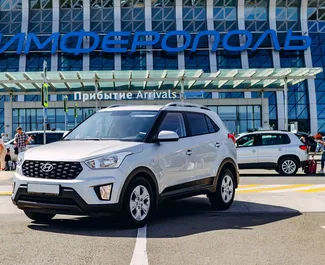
80 150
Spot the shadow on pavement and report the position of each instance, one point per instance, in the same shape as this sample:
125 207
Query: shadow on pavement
176 219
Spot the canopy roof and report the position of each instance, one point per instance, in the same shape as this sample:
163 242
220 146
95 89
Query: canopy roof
269 79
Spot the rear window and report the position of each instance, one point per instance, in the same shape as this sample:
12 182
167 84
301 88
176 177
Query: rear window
200 124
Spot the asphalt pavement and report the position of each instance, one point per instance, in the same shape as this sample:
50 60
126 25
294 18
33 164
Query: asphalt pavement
274 220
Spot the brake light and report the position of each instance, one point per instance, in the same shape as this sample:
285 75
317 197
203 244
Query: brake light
232 137
303 147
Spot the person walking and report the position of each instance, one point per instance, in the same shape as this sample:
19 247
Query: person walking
320 148
21 140
3 152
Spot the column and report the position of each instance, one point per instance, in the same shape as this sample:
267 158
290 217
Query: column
55 28
86 26
24 29
276 64
242 39
179 26
148 26
212 55
309 63
117 27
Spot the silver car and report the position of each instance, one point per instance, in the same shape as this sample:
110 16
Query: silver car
277 150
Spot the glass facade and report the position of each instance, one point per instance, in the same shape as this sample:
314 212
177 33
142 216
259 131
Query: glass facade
101 16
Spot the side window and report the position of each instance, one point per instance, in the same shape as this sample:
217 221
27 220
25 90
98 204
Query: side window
174 121
211 125
197 123
245 141
274 139
53 137
38 138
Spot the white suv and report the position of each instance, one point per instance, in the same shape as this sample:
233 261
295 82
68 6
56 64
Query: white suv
127 159
278 150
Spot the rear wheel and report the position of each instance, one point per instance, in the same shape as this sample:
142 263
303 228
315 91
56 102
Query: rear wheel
224 195
138 203
288 166
39 217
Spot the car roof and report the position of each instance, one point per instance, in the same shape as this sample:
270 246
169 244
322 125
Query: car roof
133 107
266 131
49 131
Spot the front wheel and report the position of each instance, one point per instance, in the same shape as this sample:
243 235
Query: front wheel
224 195
288 166
39 217
138 203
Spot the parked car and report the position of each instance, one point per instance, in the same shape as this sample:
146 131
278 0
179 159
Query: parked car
127 159
311 142
51 136
275 150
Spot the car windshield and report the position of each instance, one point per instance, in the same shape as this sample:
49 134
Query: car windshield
115 125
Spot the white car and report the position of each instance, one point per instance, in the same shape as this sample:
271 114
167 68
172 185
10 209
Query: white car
127 159
278 150
51 136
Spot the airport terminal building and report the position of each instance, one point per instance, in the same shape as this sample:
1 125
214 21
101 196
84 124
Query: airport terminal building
134 38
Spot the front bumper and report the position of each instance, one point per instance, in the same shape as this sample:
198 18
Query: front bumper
76 196
68 202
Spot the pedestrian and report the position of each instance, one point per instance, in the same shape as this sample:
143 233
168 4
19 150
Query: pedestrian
21 140
8 160
6 138
3 152
320 148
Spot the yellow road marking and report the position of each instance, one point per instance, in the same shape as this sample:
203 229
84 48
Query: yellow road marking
5 193
283 187
314 190
248 186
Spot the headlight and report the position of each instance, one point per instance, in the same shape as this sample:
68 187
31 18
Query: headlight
20 159
110 161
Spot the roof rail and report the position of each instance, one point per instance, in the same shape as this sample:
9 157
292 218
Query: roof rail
186 105
117 105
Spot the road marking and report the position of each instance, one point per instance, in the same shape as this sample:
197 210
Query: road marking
303 188
274 188
257 187
315 190
248 186
5 193
140 250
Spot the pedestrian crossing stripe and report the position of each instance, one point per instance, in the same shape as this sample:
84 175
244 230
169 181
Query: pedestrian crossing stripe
256 188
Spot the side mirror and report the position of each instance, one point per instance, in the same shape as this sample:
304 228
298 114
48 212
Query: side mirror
168 136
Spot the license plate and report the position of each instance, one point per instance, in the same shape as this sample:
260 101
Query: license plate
43 189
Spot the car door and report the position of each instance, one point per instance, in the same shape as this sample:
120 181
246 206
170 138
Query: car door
246 150
175 158
206 144
271 146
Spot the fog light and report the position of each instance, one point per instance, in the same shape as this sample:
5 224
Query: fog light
105 192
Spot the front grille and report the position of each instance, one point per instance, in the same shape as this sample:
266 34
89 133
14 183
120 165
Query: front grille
61 170
47 199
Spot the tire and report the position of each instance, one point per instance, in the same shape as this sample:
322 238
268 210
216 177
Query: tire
288 166
39 217
220 200
143 205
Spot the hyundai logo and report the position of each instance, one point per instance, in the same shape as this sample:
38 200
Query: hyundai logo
46 167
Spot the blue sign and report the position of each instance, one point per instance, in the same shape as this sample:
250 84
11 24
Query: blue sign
117 42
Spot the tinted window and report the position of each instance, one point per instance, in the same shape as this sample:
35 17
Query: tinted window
197 123
245 141
174 121
274 139
38 138
211 125
53 137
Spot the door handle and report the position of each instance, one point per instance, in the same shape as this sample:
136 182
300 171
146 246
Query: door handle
280 149
217 144
188 152
253 150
